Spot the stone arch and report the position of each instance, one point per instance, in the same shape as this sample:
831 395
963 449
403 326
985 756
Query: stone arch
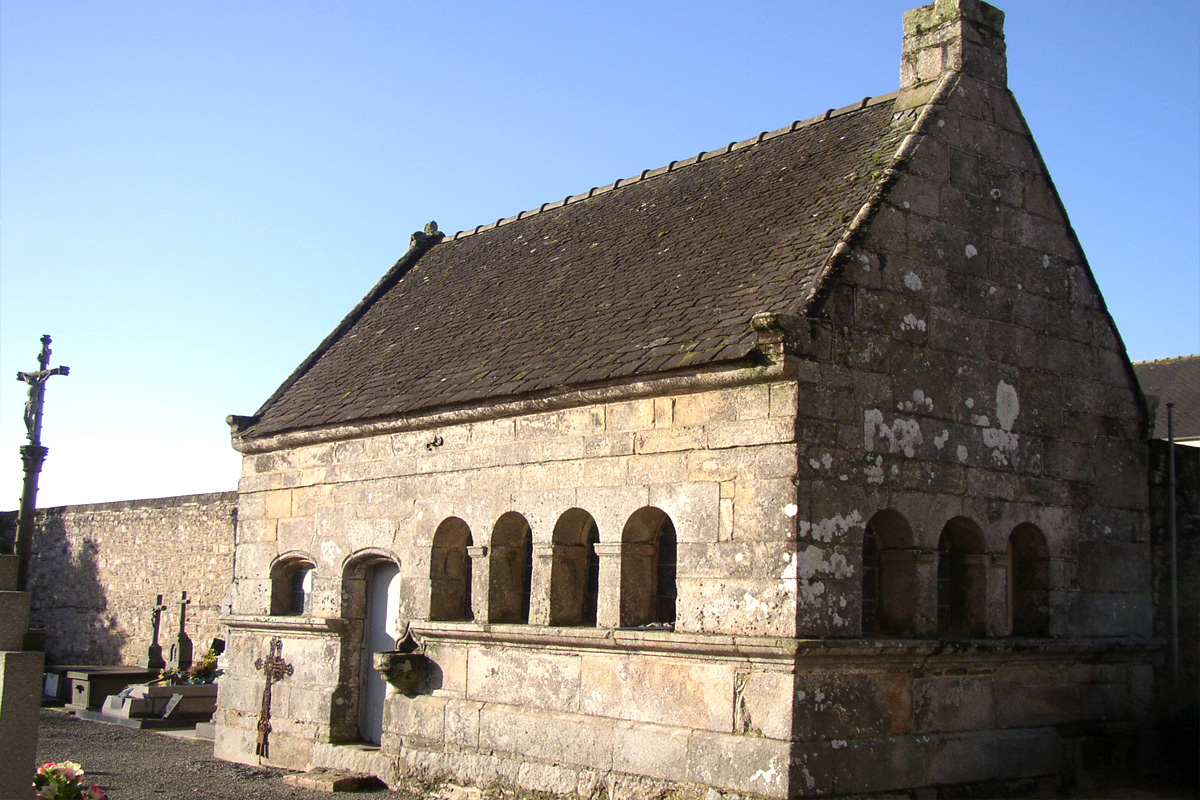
649 590
450 571
889 576
1028 581
961 579
292 576
355 669
575 569
510 569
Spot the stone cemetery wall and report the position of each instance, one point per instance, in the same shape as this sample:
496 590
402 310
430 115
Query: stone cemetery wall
95 571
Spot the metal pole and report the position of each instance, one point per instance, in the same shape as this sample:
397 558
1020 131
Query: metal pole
1174 543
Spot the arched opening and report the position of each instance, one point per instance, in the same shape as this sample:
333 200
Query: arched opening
961 580
889 576
1028 581
450 571
370 606
649 589
575 570
510 574
292 586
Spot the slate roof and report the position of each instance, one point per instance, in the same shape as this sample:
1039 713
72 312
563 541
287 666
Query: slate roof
1173 380
661 272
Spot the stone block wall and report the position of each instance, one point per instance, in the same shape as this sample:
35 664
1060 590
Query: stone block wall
718 464
95 570
970 380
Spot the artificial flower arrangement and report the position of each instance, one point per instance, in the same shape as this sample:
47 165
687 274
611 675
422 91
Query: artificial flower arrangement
60 781
203 671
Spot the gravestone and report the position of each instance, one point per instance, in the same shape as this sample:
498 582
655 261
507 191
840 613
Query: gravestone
181 650
154 657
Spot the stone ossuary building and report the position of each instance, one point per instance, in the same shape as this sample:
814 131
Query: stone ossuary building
809 465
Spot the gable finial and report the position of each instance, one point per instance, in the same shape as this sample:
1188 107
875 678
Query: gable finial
430 236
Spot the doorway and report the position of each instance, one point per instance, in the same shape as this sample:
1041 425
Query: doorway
379 634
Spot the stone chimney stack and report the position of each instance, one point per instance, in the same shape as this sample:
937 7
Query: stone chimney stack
964 36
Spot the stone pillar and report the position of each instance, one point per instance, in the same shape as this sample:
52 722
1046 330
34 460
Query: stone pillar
20 688
608 603
976 618
539 599
999 620
925 618
480 572
1062 578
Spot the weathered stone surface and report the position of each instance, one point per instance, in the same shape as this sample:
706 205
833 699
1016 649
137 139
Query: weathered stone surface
650 750
952 704
851 705
658 691
741 763
548 737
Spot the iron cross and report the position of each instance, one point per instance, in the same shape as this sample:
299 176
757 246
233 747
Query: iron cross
275 669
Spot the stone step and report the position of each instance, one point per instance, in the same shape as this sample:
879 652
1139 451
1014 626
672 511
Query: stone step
14 620
331 780
8 573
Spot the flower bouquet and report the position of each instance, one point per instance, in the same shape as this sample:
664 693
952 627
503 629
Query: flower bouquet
60 781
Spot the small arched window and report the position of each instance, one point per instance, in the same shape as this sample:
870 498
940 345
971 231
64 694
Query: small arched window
649 586
450 571
961 580
292 587
575 570
510 578
889 576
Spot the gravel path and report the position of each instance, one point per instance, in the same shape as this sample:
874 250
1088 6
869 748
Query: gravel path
132 764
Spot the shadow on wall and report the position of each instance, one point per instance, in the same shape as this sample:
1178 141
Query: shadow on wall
69 601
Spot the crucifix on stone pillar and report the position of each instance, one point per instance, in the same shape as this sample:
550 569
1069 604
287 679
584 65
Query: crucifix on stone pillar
275 669
33 455
154 659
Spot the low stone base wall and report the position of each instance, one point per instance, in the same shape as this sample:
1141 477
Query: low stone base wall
639 712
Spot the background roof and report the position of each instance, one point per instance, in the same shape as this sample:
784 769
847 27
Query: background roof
1173 380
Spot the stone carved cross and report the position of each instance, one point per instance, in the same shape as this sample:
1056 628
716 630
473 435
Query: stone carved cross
154 659
181 651
274 669
156 617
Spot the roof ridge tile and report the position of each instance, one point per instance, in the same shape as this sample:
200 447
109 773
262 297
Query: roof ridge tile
703 155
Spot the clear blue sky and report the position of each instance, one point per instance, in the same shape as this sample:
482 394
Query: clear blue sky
192 195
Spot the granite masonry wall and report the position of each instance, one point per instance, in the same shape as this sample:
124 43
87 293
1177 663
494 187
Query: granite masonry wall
95 570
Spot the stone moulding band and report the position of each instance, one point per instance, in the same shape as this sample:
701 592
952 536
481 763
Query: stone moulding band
311 626
813 653
715 378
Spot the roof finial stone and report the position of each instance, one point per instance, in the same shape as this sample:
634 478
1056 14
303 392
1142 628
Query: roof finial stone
965 36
